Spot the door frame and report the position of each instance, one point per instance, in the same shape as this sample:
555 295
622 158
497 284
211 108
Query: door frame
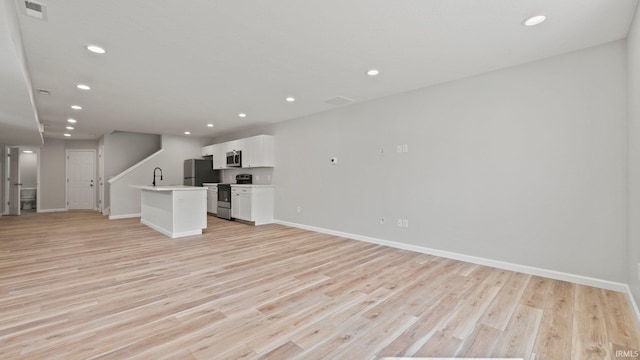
4 180
100 181
66 173
37 152
4 192
14 181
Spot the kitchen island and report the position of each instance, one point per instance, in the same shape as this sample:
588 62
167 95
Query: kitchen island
176 211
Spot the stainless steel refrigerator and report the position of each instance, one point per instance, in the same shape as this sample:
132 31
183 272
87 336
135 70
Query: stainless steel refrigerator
198 171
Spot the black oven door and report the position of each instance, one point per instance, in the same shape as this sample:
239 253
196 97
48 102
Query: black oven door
224 195
224 201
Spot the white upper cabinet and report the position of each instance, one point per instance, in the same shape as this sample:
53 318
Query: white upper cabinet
257 151
207 150
219 156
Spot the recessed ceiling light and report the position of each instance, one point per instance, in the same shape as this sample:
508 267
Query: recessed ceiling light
245 115
69 128
83 87
76 107
209 125
67 135
290 99
96 49
73 121
187 132
373 72
27 151
534 20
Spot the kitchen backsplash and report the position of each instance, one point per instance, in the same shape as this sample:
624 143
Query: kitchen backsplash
261 176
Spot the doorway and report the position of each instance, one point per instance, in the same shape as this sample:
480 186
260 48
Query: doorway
20 170
13 184
81 172
29 178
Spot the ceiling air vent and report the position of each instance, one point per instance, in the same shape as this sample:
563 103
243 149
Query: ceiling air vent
339 101
36 10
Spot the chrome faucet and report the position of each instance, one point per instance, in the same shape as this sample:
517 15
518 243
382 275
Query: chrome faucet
154 175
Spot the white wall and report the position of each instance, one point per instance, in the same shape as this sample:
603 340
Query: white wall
52 175
28 169
524 165
125 201
52 171
124 149
633 62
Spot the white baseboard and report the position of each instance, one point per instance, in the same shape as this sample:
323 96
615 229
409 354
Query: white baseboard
170 234
634 304
552 274
52 210
125 216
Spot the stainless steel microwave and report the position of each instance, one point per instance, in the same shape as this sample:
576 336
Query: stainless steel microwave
234 158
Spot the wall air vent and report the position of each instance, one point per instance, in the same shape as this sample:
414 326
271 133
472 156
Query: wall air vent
339 101
36 10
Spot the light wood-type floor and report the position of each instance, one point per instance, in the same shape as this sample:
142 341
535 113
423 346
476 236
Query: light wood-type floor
78 286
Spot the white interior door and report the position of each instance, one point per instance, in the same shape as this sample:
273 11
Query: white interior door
14 181
81 172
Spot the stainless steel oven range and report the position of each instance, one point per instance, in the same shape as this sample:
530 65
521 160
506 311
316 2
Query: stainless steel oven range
224 201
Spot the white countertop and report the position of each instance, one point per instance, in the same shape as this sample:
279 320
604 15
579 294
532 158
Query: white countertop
168 187
210 184
252 185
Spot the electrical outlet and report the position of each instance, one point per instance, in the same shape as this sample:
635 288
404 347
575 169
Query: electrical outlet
382 220
405 148
399 148
405 223
399 222
298 209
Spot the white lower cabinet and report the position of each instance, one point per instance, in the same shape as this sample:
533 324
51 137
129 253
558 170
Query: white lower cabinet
241 208
212 198
252 203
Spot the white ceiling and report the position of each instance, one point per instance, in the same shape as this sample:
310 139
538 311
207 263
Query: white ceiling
18 121
173 66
